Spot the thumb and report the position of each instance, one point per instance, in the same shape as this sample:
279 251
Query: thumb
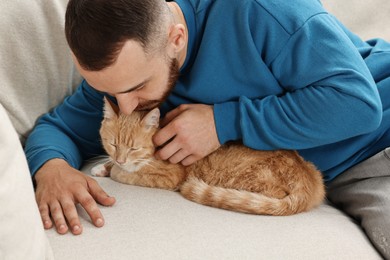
99 194
170 116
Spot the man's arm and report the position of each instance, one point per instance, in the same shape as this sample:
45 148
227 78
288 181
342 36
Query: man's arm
69 132
329 96
55 150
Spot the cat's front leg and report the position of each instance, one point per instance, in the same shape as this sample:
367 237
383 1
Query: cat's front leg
147 179
102 170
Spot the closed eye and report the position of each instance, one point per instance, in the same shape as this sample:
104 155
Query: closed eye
140 88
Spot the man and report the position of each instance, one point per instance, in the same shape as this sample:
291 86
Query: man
273 74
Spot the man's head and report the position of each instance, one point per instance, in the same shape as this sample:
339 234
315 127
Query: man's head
131 49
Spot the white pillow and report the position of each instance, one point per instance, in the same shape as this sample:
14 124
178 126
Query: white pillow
21 230
36 69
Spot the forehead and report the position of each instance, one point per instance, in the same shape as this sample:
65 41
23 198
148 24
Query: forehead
131 67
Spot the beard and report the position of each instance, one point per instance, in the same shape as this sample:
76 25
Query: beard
174 73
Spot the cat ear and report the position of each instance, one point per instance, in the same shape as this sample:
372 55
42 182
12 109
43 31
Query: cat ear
152 119
110 109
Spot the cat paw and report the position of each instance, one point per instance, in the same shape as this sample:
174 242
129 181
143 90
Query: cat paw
99 171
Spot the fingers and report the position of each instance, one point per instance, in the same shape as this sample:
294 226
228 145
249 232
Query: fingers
64 212
169 126
177 157
87 201
45 215
164 135
174 154
170 143
186 135
189 160
64 215
90 206
59 188
171 115
171 149
58 217
70 212
99 194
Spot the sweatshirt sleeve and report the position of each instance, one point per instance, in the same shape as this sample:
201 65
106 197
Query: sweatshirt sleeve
69 132
329 95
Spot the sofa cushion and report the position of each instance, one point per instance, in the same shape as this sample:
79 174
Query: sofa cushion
36 69
21 230
150 223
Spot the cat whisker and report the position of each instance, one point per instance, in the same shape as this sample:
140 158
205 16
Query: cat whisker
98 159
145 162
141 160
151 164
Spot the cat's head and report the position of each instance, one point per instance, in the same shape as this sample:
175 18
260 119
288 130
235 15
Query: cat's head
127 139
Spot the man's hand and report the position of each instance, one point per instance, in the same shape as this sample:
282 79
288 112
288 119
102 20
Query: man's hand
59 188
188 134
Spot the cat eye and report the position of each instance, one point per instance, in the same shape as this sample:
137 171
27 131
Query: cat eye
134 149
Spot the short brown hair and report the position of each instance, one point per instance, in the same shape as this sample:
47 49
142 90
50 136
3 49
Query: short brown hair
96 30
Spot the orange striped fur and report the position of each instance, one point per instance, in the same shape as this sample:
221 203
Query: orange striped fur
234 177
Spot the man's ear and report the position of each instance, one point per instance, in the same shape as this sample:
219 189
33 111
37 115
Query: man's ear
110 109
152 119
177 39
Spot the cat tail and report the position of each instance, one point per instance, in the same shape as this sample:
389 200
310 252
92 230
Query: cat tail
198 191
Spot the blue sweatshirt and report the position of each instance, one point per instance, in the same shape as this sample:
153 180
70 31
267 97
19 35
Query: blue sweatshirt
280 74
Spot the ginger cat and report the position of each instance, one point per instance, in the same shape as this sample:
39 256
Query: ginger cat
233 177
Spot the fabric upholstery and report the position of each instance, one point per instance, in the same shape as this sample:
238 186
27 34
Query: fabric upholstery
368 19
157 224
21 229
36 68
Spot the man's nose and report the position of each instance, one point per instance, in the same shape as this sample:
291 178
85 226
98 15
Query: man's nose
126 103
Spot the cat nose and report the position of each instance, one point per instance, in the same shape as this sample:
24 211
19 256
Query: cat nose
120 161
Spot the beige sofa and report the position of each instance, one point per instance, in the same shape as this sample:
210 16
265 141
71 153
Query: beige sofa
36 73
